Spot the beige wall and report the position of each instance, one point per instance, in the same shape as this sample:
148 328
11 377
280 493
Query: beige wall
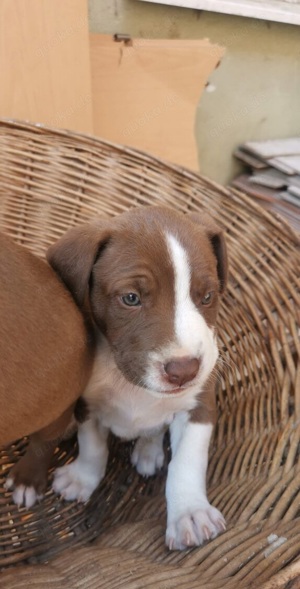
254 94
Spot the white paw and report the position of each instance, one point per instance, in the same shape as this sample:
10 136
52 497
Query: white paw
148 456
22 495
76 481
194 527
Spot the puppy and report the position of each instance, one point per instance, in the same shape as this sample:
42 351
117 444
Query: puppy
151 279
45 363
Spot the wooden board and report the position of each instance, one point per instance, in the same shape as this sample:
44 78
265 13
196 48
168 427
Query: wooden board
270 178
44 63
145 94
274 147
294 180
244 184
283 203
250 159
291 162
295 191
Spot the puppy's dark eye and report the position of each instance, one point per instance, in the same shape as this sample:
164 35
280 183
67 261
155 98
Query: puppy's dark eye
131 300
207 299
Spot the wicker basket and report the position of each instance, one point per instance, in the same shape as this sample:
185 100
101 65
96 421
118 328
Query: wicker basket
51 180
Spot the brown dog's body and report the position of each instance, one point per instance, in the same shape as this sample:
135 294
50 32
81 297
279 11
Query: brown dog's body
45 360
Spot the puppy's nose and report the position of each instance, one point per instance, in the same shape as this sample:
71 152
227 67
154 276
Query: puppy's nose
181 371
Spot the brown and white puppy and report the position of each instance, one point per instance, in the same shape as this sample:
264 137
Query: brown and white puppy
45 362
152 279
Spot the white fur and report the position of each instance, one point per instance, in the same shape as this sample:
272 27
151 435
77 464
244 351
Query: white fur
189 329
22 496
79 479
191 518
127 410
148 454
193 337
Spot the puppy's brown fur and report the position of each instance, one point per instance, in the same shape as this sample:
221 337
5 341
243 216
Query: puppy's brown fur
99 260
45 358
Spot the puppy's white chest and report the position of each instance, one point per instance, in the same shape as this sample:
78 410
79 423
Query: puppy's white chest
130 414
127 410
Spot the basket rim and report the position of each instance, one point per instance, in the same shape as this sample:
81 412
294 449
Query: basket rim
40 128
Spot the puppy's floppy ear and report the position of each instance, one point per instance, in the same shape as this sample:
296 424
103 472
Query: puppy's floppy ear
74 254
218 243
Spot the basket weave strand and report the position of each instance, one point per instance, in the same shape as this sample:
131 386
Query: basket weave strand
52 180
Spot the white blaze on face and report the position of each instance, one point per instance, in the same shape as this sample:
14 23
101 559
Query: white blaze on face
192 336
188 321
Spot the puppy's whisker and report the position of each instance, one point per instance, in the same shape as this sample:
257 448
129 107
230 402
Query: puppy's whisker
227 360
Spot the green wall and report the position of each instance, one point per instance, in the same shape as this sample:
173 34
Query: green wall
254 94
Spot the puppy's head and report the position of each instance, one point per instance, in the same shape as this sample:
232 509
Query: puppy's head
152 278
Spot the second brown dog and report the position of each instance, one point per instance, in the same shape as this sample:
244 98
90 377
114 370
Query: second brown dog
45 361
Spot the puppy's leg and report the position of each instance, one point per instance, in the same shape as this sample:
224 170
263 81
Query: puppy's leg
28 478
80 478
190 518
148 454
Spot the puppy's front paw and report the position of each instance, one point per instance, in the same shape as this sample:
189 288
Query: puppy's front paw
148 456
23 495
76 481
194 527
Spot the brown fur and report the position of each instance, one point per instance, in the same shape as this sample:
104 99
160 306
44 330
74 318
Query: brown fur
45 357
107 258
206 409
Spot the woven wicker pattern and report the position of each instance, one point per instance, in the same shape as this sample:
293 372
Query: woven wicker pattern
50 181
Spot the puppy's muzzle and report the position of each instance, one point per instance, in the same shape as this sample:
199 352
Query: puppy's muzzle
180 371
